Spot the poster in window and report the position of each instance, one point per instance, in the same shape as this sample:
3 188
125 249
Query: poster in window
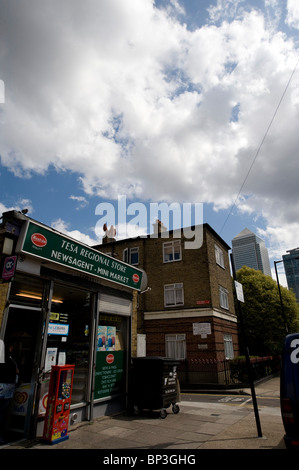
106 338
102 335
111 333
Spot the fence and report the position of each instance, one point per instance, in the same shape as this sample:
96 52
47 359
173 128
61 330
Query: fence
228 373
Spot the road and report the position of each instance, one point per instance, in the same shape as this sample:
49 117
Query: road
231 400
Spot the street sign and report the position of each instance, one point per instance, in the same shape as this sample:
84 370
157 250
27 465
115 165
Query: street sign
239 291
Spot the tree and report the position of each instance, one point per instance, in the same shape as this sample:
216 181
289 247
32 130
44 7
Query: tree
263 320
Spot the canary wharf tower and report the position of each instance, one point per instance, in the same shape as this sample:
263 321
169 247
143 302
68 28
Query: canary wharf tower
250 250
291 267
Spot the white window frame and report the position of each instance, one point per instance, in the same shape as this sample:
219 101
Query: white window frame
127 255
173 294
228 346
176 249
219 256
223 295
133 251
175 346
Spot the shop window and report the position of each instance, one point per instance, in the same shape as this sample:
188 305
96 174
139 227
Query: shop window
23 331
175 346
27 290
110 376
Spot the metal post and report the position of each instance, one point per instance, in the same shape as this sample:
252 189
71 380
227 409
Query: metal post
248 363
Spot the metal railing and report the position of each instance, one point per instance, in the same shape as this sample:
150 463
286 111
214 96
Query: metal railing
202 372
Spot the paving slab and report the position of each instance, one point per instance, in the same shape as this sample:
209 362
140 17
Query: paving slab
198 425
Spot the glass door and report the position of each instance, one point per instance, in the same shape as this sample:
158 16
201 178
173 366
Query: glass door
23 331
68 340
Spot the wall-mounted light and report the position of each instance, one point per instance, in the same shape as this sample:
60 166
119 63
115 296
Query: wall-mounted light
7 246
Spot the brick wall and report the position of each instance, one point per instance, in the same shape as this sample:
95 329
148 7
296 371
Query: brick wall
134 325
198 270
3 297
201 277
157 329
219 276
192 270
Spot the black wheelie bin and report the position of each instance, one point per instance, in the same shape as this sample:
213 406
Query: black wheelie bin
154 384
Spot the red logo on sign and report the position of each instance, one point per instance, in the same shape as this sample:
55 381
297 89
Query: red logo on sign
135 277
109 358
38 239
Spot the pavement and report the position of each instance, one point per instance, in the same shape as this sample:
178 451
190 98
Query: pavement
198 425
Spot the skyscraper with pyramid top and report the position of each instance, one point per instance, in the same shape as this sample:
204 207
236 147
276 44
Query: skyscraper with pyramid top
250 250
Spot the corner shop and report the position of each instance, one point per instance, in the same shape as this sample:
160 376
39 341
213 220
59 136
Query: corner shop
66 303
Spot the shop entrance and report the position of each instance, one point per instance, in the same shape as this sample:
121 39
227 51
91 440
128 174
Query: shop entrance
23 330
23 333
68 342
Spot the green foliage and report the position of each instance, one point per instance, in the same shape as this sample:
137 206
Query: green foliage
262 313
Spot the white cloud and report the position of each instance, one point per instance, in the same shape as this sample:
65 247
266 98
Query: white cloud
19 205
4 208
127 96
282 238
293 13
81 200
62 226
130 231
225 9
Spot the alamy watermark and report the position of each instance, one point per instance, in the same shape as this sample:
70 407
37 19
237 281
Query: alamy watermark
295 353
133 220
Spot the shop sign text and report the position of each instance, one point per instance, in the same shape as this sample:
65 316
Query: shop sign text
41 242
109 376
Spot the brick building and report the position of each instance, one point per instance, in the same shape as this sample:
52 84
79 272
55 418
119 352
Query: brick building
188 313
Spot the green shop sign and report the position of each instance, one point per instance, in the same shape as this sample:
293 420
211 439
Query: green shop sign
45 243
109 376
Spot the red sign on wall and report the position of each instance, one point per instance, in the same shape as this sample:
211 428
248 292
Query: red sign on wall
9 267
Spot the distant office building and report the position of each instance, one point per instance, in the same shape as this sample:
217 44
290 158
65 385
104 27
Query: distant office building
291 267
250 250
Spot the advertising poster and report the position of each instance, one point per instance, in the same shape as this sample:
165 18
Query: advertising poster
51 356
106 338
44 393
21 399
111 333
102 335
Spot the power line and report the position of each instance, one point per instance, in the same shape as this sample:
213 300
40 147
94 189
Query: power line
260 146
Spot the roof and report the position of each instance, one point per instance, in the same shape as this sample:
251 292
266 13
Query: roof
244 233
205 225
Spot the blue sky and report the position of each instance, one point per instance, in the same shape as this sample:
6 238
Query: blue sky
170 101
